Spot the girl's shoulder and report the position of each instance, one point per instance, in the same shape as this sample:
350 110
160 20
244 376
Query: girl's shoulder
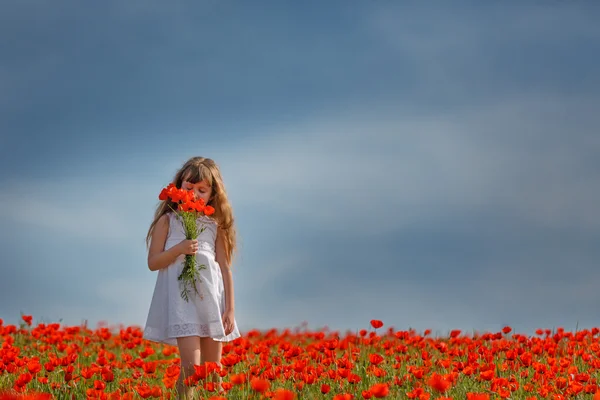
168 215
164 219
169 218
162 224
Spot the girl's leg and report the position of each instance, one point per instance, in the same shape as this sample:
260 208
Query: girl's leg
211 351
189 351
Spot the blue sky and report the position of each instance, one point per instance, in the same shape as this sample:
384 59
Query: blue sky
431 165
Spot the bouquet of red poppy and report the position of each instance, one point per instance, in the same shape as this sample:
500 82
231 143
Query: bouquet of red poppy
188 210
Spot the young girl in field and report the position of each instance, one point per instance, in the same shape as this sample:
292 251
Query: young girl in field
197 327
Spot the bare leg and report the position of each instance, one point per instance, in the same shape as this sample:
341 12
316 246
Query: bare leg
189 351
211 351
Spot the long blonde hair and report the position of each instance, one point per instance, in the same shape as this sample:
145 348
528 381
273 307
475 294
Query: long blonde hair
197 169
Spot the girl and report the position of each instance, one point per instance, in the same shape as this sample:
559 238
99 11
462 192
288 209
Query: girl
197 327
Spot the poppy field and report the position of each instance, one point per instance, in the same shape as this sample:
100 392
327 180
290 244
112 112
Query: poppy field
50 361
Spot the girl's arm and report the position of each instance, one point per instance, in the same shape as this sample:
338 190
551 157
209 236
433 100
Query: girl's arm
226 272
158 258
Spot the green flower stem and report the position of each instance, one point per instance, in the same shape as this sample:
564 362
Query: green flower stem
189 277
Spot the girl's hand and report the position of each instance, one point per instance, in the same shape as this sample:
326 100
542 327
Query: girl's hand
228 321
188 246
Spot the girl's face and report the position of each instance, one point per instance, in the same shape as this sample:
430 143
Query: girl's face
202 189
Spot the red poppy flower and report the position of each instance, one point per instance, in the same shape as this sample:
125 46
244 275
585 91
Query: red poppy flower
439 383
259 385
27 319
283 394
209 210
380 390
375 323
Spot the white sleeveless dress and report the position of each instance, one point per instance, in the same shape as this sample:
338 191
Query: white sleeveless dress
170 316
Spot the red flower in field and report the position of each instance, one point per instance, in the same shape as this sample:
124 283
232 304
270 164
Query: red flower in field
88 373
107 375
375 323
23 380
417 393
477 396
156 392
506 329
34 366
375 359
309 378
116 395
238 379
380 390
200 371
575 388
27 319
283 394
169 382
213 367
172 371
31 396
260 385
99 385
143 390
561 383
455 333
375 371
418 372
343 396
487 375
557 366
439 383
149 367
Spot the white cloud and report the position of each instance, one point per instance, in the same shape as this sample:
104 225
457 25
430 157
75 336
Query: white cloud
455 34
112 211
89 221
386 171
